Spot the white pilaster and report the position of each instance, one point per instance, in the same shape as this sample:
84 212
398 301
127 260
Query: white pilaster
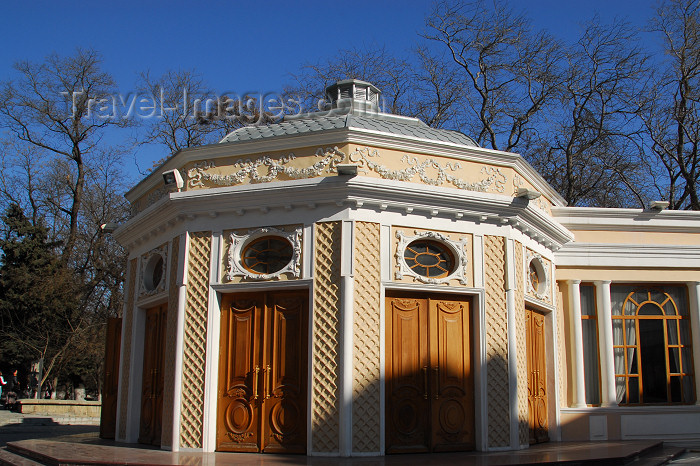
179 336
694 304
605 344
577 346
512 345
346 338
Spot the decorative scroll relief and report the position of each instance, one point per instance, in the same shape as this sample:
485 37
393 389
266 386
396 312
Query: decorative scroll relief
238 242
541 285
249 169
153 271
458 248
495 179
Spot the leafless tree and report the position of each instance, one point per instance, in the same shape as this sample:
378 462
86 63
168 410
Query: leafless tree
672 111
588 147
178 125
53 106
192 113
58 168
509 72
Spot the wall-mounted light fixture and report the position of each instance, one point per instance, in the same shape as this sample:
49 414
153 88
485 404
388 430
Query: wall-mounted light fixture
109 227
172 178
347 169
529 194
658 205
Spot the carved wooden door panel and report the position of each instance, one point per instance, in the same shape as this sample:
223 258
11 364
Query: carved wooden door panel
110 388
430 386
152 376
263 372
284 415
453 384
238 408
407 376
537 377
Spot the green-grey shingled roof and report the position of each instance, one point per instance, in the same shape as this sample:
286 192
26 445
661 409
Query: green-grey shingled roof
384 123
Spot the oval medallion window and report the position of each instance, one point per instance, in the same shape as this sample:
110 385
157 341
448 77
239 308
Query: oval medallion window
267 255
537 276
534 277
429 259
153 274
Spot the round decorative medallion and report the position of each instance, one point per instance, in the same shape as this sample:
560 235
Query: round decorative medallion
238 416
154 272
284 418
429 259
267 255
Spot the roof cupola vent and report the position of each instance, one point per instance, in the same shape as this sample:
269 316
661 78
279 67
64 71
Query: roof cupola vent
354 95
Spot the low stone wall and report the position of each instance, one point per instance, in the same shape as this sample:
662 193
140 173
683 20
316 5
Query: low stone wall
60 407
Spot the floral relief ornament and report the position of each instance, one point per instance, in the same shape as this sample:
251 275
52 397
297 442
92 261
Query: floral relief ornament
495 179
458 248
235 267
248 169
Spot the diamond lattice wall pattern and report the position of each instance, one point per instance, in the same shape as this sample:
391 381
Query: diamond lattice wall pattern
195 341
366 374
126 348
170 344
325 422
523 413
496 342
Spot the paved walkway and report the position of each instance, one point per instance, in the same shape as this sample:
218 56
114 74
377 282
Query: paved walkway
70 440
68 451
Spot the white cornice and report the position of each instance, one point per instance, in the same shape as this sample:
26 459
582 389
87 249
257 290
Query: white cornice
604 219
628 255
343 136
343 193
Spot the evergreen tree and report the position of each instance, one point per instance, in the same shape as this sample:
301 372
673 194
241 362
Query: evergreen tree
40 316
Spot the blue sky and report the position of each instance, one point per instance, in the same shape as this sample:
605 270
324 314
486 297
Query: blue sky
243 46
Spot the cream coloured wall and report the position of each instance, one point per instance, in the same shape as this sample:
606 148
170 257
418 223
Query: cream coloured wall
627 275
636 237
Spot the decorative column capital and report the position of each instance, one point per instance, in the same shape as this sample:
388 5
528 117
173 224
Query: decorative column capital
602 282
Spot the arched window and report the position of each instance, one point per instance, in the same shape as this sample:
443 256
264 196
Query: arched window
651 333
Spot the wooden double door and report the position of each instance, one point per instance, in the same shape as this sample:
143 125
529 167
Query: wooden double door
110 388
263 372
150 427
430 383
537 376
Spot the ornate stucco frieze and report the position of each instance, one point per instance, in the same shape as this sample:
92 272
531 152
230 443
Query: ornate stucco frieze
248 169
494 179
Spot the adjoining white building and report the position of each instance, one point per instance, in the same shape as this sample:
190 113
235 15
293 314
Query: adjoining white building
356 283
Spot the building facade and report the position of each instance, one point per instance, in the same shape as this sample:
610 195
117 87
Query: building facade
350 283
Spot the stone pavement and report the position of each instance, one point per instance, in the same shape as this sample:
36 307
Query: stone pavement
78 437
17 426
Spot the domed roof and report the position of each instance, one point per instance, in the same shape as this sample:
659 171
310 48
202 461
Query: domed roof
354 105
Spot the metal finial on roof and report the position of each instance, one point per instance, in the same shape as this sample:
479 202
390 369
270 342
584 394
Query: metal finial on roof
355 94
